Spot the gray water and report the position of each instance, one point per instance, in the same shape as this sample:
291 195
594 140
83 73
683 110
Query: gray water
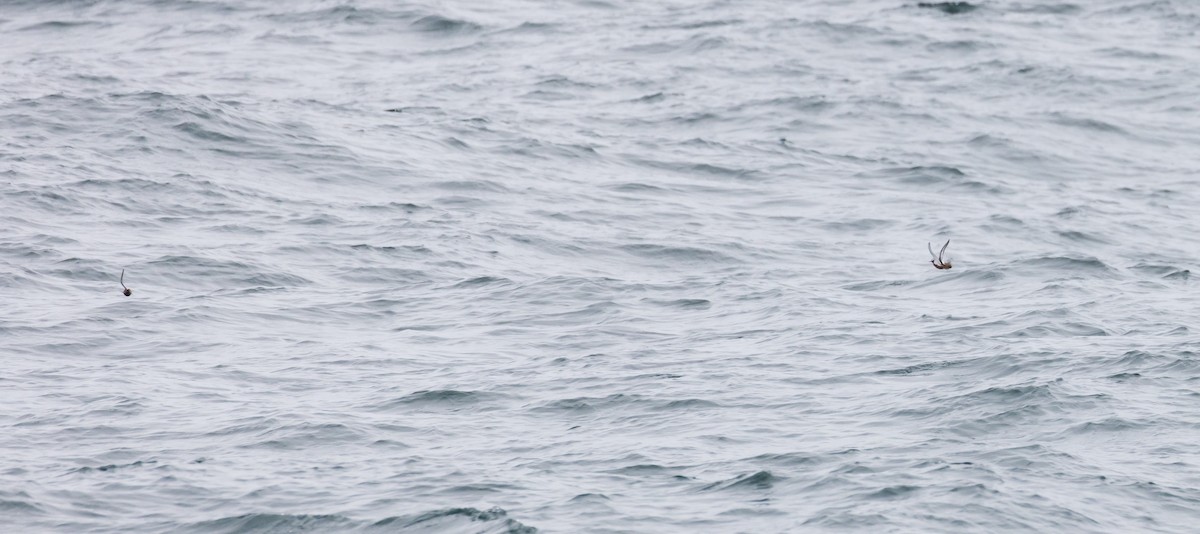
599 266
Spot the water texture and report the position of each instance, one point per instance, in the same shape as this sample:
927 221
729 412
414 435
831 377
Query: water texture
599 266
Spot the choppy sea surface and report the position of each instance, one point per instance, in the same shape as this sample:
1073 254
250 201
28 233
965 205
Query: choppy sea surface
599 266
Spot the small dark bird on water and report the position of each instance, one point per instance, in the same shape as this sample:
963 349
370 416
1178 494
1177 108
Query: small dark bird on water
127 290
937 260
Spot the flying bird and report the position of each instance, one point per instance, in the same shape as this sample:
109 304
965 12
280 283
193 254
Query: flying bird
130 291
937 260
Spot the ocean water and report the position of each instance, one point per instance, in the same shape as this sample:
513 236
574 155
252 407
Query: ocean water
599 266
